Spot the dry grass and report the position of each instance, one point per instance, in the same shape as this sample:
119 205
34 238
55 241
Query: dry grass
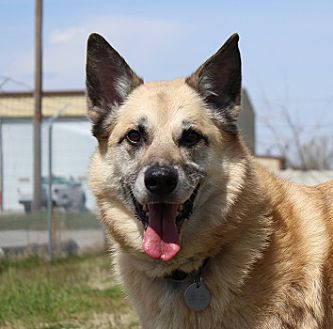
38 221
70 293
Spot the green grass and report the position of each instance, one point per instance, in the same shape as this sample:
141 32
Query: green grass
69 293
38 221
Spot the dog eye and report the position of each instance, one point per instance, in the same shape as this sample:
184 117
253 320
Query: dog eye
134 137
190 138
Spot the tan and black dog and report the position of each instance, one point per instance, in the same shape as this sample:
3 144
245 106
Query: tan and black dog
203 236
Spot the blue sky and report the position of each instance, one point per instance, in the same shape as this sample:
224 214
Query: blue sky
286 46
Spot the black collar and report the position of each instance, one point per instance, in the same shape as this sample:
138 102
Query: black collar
181 276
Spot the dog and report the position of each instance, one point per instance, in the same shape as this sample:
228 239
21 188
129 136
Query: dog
203 236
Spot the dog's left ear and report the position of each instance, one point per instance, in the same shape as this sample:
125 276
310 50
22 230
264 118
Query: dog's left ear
218 81
109 81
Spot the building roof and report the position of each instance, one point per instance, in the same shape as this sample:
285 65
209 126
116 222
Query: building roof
21 104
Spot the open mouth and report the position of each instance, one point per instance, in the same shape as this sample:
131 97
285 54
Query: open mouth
162 223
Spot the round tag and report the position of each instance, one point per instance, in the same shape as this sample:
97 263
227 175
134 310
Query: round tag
197 296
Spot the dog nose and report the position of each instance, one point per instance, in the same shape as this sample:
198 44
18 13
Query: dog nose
161 180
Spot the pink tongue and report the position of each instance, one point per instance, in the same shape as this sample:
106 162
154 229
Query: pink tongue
161 240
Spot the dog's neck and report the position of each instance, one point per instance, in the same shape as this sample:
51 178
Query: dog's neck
181 276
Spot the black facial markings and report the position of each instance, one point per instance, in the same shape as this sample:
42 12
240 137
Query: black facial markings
143 122
139 212
191 136
140 130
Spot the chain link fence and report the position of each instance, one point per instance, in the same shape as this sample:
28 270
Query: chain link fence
75 228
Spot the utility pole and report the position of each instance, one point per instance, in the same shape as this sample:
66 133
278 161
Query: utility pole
37 159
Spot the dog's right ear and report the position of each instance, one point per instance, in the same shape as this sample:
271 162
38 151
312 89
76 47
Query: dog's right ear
109 81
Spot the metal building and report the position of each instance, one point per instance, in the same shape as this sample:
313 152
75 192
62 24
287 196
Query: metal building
247 122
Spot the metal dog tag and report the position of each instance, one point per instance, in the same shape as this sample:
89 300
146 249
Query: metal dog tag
197 296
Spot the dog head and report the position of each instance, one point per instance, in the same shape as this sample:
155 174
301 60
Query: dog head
161 173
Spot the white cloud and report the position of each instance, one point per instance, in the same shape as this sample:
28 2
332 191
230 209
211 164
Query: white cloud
139 40
144 42
66 35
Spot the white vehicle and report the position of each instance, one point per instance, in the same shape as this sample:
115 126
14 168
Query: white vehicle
66 193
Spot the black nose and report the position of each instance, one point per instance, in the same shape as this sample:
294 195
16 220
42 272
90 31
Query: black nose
161 180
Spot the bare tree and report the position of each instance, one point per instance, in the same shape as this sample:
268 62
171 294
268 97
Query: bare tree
318 153
302 150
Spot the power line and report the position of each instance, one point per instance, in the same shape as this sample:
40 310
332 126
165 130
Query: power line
6 79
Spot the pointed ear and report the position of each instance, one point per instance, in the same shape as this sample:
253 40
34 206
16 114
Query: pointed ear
218 81
109 81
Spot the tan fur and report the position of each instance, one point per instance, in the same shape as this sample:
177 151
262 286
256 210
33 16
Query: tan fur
269 241
266 243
